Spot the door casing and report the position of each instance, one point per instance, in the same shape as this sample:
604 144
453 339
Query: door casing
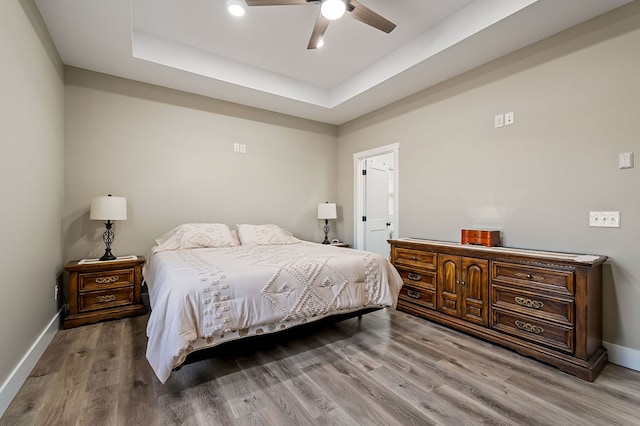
359 164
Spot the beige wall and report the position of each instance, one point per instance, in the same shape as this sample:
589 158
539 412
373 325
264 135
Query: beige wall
171 154
31 179
576 98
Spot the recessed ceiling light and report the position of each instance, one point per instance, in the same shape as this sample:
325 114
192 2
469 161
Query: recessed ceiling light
235 7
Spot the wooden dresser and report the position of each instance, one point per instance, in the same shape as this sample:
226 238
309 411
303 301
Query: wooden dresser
545 305
104 290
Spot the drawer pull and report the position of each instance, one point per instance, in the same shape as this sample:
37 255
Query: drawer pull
529 276
413 294
107 298
529 327
414 277
414 257
107 280
535 304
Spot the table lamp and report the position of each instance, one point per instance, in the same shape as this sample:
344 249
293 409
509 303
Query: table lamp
108 208
327 211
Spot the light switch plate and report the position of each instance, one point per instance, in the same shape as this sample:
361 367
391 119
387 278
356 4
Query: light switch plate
604 219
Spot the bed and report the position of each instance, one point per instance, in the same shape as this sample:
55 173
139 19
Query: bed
208 285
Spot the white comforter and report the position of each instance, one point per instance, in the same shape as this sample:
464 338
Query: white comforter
207 296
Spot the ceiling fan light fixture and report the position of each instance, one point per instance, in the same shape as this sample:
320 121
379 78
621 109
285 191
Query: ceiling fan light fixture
235 7
333 9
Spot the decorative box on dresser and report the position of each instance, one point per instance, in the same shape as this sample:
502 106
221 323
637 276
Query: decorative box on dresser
104 290
545 305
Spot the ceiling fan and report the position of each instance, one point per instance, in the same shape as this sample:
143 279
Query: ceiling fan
327 13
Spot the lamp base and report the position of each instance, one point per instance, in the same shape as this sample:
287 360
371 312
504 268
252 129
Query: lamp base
108 239
326 232
107 256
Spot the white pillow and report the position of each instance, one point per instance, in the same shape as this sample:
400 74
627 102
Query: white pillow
265 235
195 235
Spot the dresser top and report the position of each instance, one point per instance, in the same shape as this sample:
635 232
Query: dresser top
570 257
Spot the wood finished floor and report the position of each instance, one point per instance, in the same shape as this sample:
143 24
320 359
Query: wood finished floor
390 368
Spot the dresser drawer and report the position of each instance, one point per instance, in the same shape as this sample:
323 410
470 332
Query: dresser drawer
533 277
418 296
415 259
105 299
105 279
555 336
535 305
426 280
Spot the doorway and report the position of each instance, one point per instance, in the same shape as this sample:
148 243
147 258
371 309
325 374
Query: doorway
376 198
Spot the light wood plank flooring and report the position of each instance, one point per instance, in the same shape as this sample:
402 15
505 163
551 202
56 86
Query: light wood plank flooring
388 368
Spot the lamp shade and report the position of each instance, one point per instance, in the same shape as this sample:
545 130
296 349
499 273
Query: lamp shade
327 211
108 208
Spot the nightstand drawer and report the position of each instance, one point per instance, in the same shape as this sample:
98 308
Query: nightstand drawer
105 280
105 299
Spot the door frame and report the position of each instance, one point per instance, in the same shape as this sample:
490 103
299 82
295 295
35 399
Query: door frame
359 161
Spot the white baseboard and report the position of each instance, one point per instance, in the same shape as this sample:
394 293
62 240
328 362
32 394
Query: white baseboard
12 385
623 356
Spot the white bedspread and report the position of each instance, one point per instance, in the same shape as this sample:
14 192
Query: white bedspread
203 297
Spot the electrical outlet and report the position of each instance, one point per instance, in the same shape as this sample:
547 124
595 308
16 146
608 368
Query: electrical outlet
236 147
498 121
243 149
625 160
604 219
508 118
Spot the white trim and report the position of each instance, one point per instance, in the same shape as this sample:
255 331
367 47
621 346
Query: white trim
12 385
623 356
359 159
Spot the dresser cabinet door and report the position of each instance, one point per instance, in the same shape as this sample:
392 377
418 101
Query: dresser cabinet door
474 285
463 288
448 288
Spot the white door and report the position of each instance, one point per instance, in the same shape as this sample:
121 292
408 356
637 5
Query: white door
377 226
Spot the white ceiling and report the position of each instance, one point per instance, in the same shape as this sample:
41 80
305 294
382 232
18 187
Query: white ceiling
261 59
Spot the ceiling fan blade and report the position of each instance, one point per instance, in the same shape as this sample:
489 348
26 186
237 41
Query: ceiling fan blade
363 14
276 2
318 31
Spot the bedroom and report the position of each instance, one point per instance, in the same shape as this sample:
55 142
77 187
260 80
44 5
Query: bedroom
557 162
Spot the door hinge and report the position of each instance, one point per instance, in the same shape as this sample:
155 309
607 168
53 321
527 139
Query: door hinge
364 218
364 173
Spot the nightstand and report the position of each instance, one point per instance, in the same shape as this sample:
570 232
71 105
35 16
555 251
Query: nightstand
104 290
